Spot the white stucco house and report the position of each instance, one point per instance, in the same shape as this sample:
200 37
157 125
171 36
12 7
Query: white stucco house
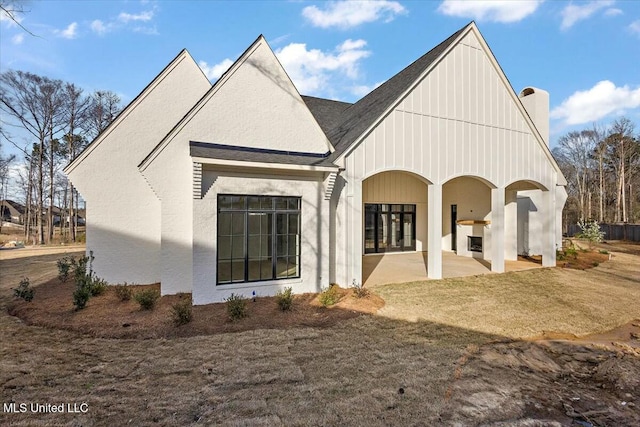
245 185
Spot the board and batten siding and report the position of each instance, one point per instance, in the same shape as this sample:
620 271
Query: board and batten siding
461 119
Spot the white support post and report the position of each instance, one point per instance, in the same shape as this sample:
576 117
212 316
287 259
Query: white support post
357 235
511 225
434 226
549 228
497 230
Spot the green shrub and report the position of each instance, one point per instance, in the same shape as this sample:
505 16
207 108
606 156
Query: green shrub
572 252
330 296
97 286
604 252
595 264
24 290
359 291
181 312
124 292
81 296
236 307
147 298
285 299
65 265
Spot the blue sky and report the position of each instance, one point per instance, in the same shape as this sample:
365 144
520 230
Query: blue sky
585 53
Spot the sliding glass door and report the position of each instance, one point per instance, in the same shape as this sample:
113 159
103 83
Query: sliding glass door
389 228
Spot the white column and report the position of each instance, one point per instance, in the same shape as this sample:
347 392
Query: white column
511 225
357 235
497 230
434 227
549 228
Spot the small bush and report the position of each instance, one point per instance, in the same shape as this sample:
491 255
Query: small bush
124 292
236 307
181 312
24 290
604 252
98 286
285 299
572 252
147 298
65 265
330 296
590 230
595 264
81 296
359 291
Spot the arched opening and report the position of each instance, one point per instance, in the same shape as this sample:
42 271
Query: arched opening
524 219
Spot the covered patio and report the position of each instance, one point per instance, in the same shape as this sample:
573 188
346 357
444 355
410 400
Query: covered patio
380 269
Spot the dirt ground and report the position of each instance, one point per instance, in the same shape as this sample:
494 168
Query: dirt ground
438 364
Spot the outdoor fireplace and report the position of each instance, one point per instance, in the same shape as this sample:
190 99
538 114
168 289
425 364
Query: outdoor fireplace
474 243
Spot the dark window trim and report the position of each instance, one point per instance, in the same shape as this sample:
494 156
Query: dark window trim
274 211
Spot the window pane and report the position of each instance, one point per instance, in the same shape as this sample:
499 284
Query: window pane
224 271
224 224
383 208
254 270
266 203
294 203
281 267
266 269
293 244
254 246
253 203
254 220
409 208
224 202
293 223
281 203
294 267
281 223
237 271
266 225
238 202
224 247
281 245
237 227
237 248
396 208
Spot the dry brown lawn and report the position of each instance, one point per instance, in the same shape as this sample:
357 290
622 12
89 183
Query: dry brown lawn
439 353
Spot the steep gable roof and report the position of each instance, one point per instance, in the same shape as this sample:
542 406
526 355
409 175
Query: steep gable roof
364 113
184 54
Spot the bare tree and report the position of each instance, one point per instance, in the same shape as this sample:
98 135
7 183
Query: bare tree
34 102
104 108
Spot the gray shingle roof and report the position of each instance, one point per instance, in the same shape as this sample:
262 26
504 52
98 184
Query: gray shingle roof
249 154
328 113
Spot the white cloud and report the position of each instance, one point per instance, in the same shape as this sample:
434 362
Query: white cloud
99 27
593 104
573 13
613 12
634 27
142 16
488 10
348 14
68 33
312 69
17 39
214 72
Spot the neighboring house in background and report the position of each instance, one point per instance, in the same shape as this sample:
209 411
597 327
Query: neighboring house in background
11 211
245 185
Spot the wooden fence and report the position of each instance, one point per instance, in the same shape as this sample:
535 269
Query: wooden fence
629 232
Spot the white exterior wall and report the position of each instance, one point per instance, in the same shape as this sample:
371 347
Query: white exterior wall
123 213
399 187
256 105
314 267
461 119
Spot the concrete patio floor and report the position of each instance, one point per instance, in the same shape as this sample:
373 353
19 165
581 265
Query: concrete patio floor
402 267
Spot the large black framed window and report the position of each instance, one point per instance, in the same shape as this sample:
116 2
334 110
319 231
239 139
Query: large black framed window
258 238
389 227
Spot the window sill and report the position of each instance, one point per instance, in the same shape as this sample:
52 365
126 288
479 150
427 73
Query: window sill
258 284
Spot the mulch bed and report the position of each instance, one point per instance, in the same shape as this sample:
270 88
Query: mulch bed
107 317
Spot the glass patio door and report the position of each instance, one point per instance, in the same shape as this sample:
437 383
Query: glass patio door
389 228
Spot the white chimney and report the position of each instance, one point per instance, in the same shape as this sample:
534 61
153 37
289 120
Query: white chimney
536 102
